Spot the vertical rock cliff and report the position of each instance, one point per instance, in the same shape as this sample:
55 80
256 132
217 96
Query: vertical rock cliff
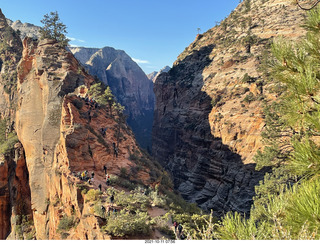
128 83
48 134
61 135
14 181
46 75
208 114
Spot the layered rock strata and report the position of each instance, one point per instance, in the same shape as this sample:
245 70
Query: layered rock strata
208 115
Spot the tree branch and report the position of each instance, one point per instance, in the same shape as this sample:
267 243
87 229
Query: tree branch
314 5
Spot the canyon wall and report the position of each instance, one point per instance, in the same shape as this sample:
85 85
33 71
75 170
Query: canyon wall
208 115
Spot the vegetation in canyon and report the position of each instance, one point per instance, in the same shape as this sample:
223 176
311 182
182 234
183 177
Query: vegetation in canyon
139 200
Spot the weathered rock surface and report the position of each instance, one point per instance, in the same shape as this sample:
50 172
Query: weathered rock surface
154 75
128 83
208 117
14 187
61 135
15 197
115 68
26 29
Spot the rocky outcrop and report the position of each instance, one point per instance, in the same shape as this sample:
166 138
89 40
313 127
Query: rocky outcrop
45 77
15 200
128 83
208 115
116 69
14 182
154 75
10 55
25 29
61 135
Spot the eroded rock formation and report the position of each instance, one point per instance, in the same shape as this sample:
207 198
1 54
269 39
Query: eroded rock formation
59 135
14 184
154 75
208 115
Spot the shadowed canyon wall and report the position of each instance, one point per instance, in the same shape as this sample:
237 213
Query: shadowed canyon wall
208 114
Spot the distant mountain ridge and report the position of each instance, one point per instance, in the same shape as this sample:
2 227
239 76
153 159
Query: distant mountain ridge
154 75
115 68
128 83
26 29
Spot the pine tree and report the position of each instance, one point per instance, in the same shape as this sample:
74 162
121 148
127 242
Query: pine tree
104 97
54 29
96 91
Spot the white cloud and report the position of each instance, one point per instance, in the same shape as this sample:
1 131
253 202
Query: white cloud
75 39
139 61
71 38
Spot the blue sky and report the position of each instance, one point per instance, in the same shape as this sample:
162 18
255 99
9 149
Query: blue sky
152 32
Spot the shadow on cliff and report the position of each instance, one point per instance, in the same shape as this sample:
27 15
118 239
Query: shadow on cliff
204 170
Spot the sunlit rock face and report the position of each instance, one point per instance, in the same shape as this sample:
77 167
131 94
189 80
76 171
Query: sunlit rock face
208 114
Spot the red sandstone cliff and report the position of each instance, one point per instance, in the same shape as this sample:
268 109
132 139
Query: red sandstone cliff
60 135
59 138
14 189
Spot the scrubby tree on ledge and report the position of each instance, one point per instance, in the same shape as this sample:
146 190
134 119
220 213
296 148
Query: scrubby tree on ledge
54 29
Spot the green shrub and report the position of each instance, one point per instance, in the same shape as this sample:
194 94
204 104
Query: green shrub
134 157
304 207
123 172
179 205
116 181
7 145
197 226
157 200
133 201
161 223
93 195
246 78
66 223
249 98
127 224
236 227
247 6
24 227
166 180
98 209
